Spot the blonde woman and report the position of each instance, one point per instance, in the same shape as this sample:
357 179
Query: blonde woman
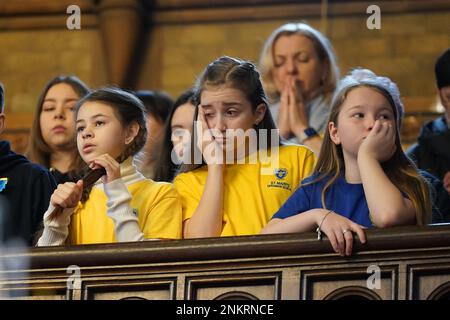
299 73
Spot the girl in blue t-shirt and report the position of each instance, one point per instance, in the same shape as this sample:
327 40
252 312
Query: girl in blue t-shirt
362 177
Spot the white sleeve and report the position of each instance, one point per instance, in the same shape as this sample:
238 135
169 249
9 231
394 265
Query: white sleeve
118 209
56 230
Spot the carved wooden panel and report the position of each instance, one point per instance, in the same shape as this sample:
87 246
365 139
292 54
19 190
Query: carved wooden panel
413 262
240 286
127 288
348 283
429 281
34 291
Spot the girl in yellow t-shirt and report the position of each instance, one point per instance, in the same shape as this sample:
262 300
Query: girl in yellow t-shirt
239 176
123 205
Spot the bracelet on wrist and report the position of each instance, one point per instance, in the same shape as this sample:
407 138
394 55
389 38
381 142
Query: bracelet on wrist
319 228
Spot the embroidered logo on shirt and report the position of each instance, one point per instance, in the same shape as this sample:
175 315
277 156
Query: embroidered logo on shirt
3 182
280 173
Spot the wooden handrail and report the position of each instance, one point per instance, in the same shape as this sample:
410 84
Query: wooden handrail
263 246
412 263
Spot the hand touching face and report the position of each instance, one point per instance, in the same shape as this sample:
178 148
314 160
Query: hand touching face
366 120
380 142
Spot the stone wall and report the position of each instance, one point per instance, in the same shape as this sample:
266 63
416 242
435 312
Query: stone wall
405 48
180 38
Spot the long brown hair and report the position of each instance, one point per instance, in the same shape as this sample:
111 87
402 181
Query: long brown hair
128 109
399 168
38 150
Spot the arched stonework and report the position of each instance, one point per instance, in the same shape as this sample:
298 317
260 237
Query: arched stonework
352 293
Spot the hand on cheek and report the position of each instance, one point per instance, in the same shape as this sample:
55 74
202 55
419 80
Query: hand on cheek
380 142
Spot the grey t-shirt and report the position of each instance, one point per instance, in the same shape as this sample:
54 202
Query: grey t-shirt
317 112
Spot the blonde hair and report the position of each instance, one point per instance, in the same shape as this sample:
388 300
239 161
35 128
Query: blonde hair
399 168
324 51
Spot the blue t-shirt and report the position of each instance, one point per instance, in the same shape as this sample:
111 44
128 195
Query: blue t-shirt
343 198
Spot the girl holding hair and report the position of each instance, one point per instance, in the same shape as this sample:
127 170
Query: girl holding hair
236 198
52 140
300 73
124 205
362 178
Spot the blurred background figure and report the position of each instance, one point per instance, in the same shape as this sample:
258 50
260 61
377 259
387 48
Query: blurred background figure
299 73
432 150
158 106
10 246
25 189
52 141
177 137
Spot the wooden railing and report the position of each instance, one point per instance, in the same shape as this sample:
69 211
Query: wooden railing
397 263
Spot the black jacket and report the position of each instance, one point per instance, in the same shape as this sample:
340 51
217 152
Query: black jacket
25 197
432 153
432 150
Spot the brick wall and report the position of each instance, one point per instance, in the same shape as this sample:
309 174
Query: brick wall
28 59
178 49
405 48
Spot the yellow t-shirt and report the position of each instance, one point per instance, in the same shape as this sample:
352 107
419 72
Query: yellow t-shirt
156 204
250 198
